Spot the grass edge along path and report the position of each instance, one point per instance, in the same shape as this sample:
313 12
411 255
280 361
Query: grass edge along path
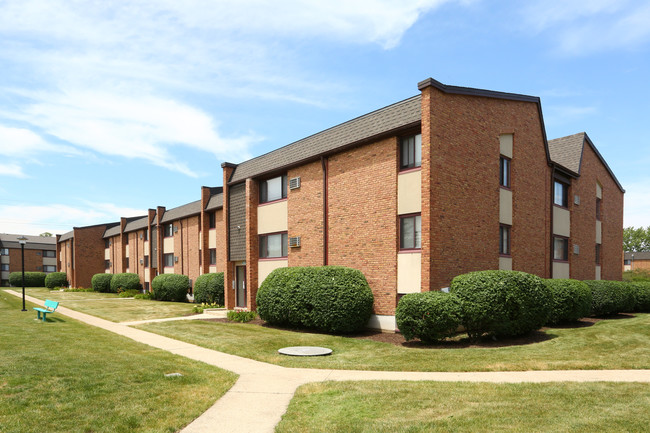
77 378
413 407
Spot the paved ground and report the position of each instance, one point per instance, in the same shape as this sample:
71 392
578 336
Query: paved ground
263 391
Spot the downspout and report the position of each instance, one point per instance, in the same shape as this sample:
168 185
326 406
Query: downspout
552 223
324 164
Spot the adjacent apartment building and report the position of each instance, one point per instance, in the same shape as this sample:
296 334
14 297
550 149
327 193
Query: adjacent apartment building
40 255
449 181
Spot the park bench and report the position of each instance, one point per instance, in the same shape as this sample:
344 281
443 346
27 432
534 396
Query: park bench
50 307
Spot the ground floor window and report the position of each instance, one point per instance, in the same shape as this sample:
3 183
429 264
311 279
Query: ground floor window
168 260
410 232
504 240
49 268
213 256
561 249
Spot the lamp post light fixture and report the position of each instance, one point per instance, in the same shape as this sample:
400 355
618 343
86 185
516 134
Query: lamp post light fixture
23 240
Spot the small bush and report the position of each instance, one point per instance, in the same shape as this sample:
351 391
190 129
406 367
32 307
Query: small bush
571 300
56 279
501 303
78 289
170 287
125 282
429 316
208 288
128 293
329 298
241 316
102 283
200 307
642 296
32 279
637 275
143 296
611 297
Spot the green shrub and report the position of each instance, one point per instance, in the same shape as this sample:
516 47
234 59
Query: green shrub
143 296
128 293
102 282
241 316
642 295
571 300
429 316
501 303
208 288
637 275
170 287
328 298
78 289
56 279
611 297
32 279
125 281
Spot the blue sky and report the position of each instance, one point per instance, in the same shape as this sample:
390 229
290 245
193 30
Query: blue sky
110 108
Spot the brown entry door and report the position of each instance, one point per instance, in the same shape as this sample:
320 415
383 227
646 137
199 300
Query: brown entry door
240 273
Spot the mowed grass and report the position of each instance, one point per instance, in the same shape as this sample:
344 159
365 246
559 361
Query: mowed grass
65 376
608 344
412 407
111 307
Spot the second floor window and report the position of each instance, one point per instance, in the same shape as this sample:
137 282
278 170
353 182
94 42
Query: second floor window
410 232
560 249
273 246
598 209
411 152
504 172
213 256
146 261
169 230
168 260
504 240
212 220
561 196
107 243
146 234
4 251
273 189
49 253
107 264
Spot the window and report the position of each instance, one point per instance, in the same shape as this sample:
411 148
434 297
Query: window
272 246
146 234
168 260
213 256
212 220
168 230
504 172
4 267
146 261
126 262
107 264
560 249
126 240
48 253
504 240
561 194
4 251
410 232
107 243
273 189
598 209
627 262
411 152
598 254
49 268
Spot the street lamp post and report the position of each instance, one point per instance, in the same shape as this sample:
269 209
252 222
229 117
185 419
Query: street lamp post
23 240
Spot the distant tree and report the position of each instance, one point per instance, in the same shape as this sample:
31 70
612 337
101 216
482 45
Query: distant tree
636 239
46 234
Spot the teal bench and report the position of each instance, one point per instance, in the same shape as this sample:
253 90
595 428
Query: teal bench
50 307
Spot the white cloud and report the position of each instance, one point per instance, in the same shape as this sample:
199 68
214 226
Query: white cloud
12 170
566 114
637 204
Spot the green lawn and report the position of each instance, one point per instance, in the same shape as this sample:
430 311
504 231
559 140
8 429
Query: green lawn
350 407
609 344
111 307
65 376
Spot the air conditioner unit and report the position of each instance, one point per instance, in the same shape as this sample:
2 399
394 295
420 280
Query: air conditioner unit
294 242
576 199
175 229
141 261
294 183
576 249
140 235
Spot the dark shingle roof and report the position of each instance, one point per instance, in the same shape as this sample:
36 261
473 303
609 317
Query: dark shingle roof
137 223
642 255
216 202
567 151
66 236
112 231
186 210
394 117
33 242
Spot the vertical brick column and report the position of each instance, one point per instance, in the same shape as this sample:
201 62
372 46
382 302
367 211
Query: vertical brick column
160 212
229 271
427 232
205 231
252 247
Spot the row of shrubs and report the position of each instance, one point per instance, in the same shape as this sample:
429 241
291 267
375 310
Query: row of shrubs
511 303
208 288
39 279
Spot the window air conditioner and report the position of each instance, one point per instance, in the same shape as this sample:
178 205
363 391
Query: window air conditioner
294 183
294 242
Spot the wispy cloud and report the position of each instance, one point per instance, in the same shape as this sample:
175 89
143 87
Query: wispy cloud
12 170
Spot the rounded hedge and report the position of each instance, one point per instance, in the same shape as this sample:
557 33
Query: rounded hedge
127 281
429 316
611 297
32 279
208 288
328 298
56 279
501 303
170 287
642 295
571 300
101 282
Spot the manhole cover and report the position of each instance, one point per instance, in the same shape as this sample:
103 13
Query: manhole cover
305 351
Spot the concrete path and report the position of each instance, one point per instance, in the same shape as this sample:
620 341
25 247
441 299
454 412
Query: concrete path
263 391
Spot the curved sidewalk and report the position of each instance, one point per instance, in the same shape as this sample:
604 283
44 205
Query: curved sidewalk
263 391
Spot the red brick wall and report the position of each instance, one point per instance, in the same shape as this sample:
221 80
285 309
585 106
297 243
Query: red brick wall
186 247
228 267
363 217
33 262
88 254
220 228
305 207
641 264
252 247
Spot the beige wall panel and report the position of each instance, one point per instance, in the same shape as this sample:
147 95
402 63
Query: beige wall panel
505 263
213 269
212 239
561 221
5 259
168 270
561 270
147 275
599 232
627 267
4 275
146 248
597 273
409 193
265 267
409 272
107 254
50 261
505 206
505 140
126 251
168 245
273 218
385 323
599 191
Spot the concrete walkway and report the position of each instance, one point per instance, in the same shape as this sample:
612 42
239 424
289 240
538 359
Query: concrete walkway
263 391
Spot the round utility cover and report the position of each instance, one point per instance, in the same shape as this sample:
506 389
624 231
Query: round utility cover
305 351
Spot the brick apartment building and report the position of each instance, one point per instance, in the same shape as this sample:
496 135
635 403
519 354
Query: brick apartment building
639 260
449 181
40 255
